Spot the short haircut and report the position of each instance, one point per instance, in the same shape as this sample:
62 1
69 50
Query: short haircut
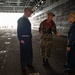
27 9
50 14
72 15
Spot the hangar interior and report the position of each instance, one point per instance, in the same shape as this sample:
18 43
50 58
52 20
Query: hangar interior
9 45
40 7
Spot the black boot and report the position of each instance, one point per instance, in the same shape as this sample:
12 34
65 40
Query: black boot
65 65
68 71
47 63
44 62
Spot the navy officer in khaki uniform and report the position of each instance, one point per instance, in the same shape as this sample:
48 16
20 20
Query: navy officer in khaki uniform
70 65
25 39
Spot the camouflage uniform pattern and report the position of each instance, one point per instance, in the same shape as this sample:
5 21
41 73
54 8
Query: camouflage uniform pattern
46 45
46 40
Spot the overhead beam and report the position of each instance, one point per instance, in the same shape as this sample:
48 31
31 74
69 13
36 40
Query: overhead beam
26 2
18 2
50 7
21 11
11 6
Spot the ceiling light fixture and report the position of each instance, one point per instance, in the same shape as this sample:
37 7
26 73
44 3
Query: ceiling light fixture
1 3
42 2
38 5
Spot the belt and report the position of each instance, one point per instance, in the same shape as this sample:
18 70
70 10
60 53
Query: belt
25 35
46 33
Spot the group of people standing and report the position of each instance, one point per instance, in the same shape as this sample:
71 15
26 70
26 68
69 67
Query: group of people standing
46 29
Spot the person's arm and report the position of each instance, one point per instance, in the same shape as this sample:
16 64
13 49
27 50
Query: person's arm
19 31
54 28
40 28
71 37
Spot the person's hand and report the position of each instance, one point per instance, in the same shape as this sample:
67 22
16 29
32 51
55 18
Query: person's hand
22 42
68 48
58 34
40 32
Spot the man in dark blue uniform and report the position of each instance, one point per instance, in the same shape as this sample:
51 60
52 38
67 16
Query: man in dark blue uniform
70 65
25 39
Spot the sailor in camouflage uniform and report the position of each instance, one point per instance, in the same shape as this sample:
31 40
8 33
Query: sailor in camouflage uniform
46 28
